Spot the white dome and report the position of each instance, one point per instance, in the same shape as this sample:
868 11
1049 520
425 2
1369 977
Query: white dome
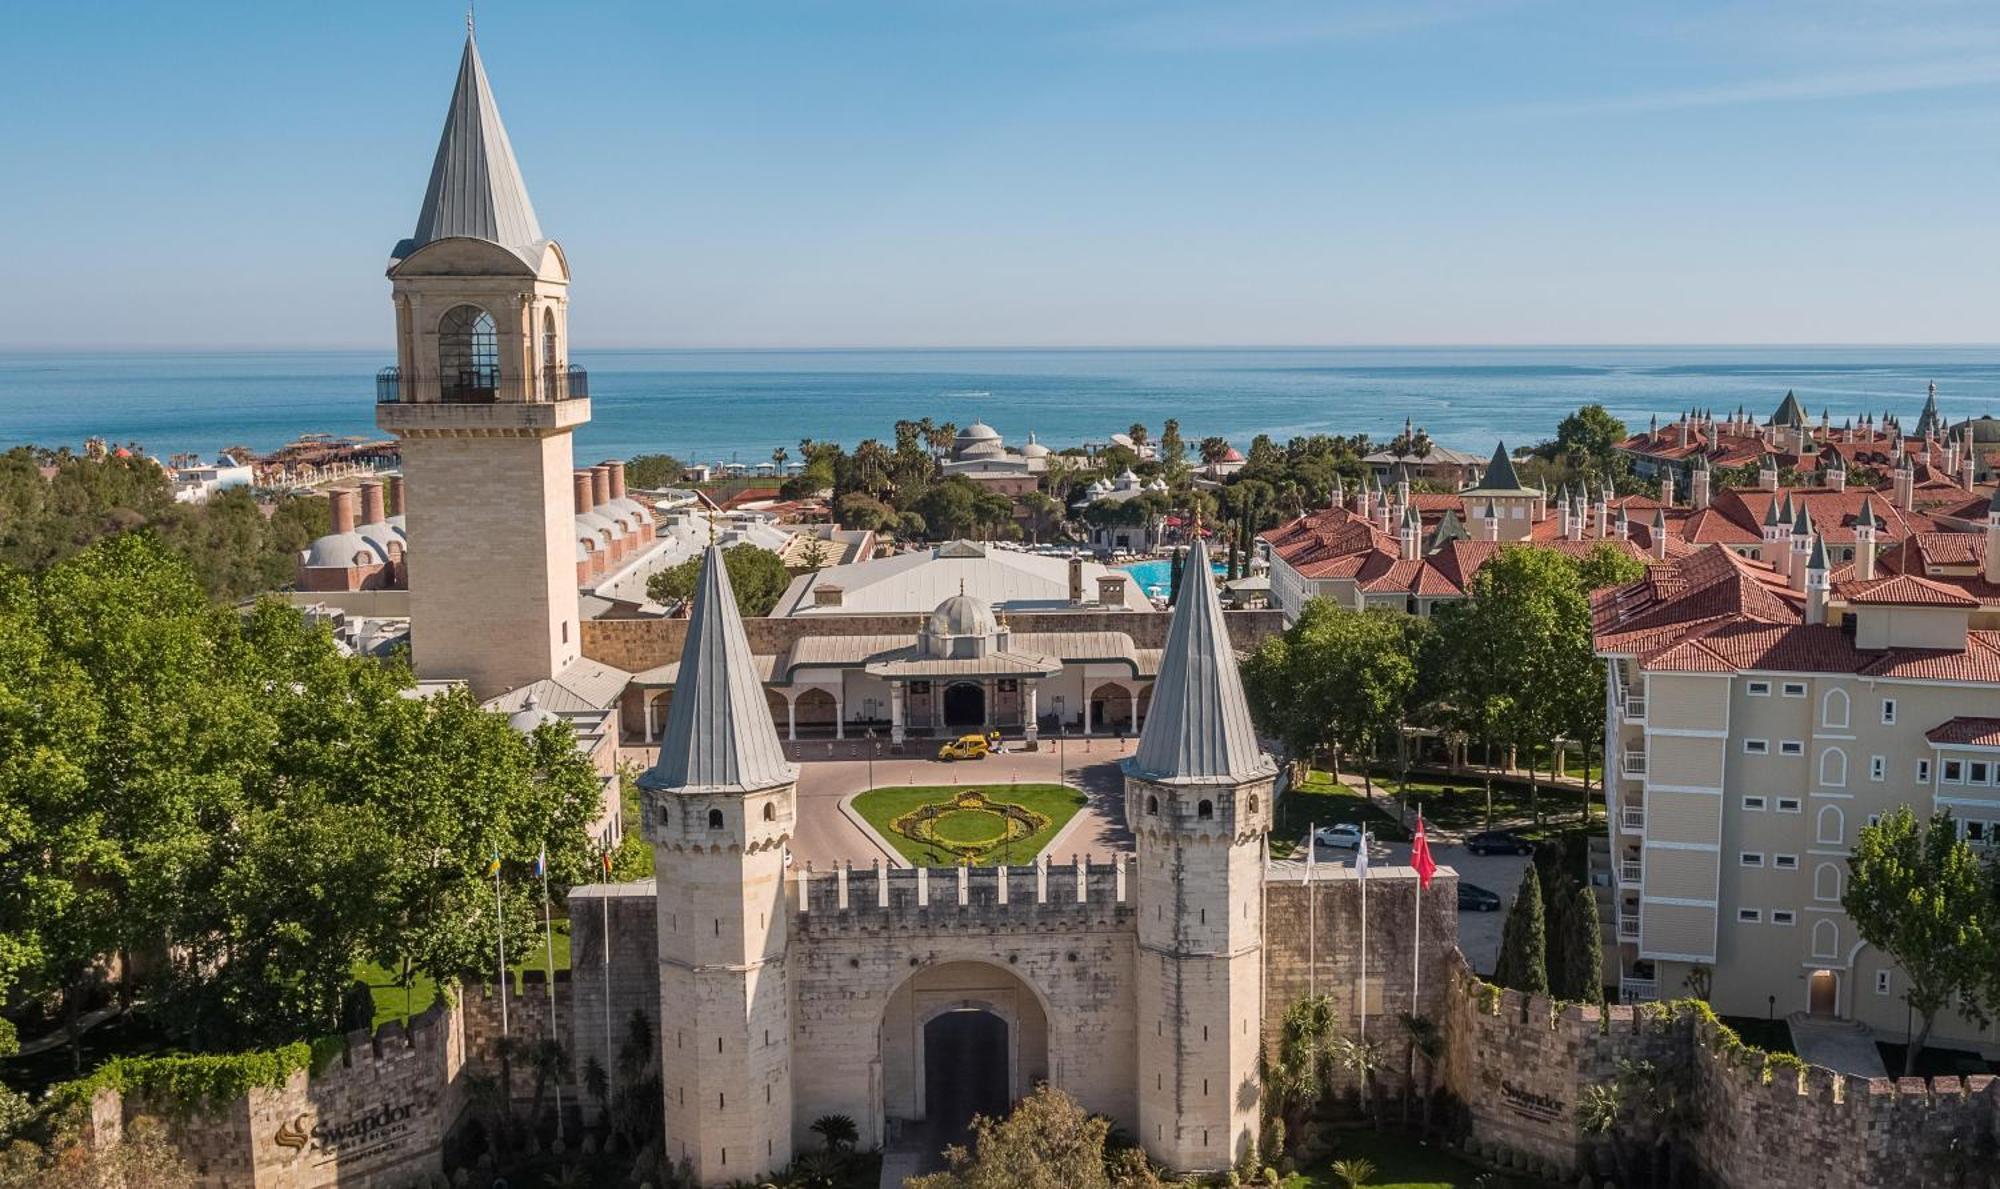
960 615
1034 449
590 524
978 431
1128 479
530 716
341 550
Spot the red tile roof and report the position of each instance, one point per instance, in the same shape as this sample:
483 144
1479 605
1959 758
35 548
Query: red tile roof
1976 732
1906 590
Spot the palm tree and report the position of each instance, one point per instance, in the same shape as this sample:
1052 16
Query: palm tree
778 458
1427 1042
942 437
1301 1069
871 464
1354 1173
838 1131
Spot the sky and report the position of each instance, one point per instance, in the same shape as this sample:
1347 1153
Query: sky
1026 172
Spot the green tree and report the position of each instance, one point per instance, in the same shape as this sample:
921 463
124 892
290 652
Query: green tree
1335 678
1524 963
1214 449
654 470
858 510
1048 1142
957 507
1299 1071
757 575
1137 433
1173 451
1580 975
1916 892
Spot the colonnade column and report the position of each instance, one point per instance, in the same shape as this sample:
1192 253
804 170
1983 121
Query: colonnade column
791 718
896 729
1031 724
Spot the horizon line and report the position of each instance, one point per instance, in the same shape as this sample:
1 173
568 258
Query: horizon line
1079 348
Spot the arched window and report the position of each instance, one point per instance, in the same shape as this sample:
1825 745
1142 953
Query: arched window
1253 802
1204 809
1833 708
551 369
1826 940
770 811
468 355
1832 825
1152 806
1833 768
1826 882
715 819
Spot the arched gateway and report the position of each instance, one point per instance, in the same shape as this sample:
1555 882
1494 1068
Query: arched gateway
958 1038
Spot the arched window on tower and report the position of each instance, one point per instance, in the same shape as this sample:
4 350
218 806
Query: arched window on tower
551 369
715 819
468 356
1204 809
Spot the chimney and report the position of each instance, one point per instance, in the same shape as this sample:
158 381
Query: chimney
826 594
1364 503
1698 486
582 481
1816 582
1803 539
1906 486
1684 431
1490 522
1075 580
1412 536
617 479
1562 506
1577 515
1667 486
341 501
1603 512
1864 541
1659 534
394 490
1836 473
1992 573
1624 525
1968 464
1111 590
600 485
371 502
1767 473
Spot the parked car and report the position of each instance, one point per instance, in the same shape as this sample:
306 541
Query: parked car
965 747
1473 898
1346 836
1499 842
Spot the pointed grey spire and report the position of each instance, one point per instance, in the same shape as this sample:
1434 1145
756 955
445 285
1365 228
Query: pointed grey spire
1867 513
1803 525
719 732
1199 729
1818 559
1771 514
1500 474
476 188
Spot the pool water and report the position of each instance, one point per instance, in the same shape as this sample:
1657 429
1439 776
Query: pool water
1157 576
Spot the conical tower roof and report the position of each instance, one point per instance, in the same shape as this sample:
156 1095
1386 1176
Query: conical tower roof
476 188
1789 412
1199 728
1499 476
719 732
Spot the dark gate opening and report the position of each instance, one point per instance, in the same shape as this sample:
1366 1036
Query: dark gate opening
965 1072
964 705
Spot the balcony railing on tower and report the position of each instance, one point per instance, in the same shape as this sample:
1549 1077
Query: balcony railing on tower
481 386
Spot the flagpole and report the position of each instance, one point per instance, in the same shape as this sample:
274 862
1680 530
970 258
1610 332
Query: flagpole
607 981
1312 912
549 933
1362 863
1417 928
500 914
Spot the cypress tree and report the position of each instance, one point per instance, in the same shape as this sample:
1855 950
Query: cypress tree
1176 568
1556 903
1583 956
1524 950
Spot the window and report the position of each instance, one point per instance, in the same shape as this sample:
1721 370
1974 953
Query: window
1760 689
1882 982
1753 804
1756 747
468 355
1826 940
549 354
1888 712
1877 767
1253 802
770 811
1204 810
1974 832
1788 805
1783 916
1954 772
1833 768
1978 772
1749 916
1152 806
1826 882
1753 858
1785 862
1791 747
1923 771
1833 708
715 819
1832 825
1795 689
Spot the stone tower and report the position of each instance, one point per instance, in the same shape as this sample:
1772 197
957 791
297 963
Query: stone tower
719 812
483 402
1198 796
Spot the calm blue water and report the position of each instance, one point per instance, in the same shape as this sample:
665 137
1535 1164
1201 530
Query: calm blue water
722 405
1157 576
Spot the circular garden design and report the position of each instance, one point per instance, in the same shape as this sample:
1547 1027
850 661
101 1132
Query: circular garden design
969 825
950 824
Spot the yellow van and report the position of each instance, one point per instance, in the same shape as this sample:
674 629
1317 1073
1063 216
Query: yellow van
965 747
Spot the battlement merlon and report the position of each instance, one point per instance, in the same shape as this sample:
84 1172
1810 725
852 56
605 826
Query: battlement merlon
855 892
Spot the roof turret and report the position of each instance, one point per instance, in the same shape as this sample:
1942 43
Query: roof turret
1199 729
475 188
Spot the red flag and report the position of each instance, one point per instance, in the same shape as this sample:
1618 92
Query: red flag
1420 854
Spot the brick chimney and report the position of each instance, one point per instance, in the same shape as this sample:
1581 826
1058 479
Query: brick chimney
617 479
341 501
1111 590
582 482
600 485
1076 581
826 594
393 488
371 502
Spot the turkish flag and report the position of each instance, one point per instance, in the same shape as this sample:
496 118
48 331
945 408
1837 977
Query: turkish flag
1420 854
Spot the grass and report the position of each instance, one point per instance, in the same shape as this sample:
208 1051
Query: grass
1056 802
1400 1163
1772 1036
1320 801
393 1003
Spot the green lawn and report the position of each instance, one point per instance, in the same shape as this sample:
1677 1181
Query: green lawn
1322 802
1459 803
392 1002
1056 802
1400 1163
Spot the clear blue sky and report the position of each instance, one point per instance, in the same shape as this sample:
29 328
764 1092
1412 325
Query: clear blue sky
1025 172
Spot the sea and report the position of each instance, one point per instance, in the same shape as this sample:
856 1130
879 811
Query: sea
740 405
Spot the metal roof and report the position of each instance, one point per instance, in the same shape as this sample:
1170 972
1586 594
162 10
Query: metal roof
719 733
476 188
1199 728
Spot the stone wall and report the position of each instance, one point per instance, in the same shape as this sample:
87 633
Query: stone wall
632 972
636 645
527 1021
375 1116
1521 1066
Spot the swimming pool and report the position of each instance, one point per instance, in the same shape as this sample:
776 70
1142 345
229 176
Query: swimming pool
1156 577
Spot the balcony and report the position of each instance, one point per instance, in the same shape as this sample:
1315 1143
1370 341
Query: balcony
1632 763
1628 926
1635 709
481 386
1628 872
1632 819
1638 990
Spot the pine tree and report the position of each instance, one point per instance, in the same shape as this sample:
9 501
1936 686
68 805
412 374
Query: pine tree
1583 955
1524 949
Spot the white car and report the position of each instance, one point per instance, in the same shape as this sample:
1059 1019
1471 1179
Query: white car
1345 836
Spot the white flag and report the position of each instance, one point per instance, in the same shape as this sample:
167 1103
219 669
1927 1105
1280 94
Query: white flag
1361 858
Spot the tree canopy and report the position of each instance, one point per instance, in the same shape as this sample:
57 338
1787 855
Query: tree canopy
230 798
758 576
